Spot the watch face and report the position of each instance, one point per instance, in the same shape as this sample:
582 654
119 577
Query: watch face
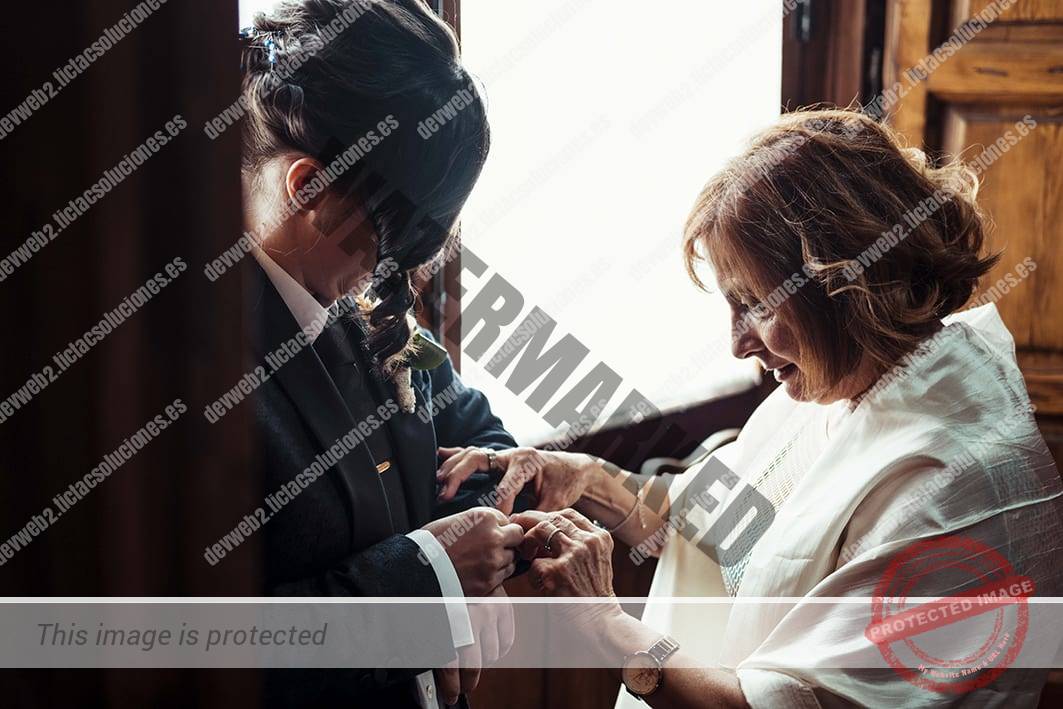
641 673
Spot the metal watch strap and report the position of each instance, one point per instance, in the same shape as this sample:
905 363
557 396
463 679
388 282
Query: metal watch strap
659 651
663 649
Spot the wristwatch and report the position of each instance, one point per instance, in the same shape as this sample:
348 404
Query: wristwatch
642 671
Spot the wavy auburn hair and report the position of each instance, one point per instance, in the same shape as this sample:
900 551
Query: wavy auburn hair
820 200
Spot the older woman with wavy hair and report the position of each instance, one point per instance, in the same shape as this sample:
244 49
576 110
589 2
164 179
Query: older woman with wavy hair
899 458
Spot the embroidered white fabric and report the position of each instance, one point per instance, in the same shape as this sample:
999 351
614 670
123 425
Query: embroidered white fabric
945 443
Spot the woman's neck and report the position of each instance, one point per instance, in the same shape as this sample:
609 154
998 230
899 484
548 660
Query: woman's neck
869 372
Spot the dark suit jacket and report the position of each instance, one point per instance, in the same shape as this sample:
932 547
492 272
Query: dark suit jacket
335 538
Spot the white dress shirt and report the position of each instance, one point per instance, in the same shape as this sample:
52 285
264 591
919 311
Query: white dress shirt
312 317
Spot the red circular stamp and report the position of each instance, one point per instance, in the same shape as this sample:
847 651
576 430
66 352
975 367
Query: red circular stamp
953 643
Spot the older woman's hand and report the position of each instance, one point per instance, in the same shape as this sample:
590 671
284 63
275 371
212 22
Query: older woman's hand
559 477
573 557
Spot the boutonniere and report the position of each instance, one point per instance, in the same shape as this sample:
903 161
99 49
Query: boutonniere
424 353
421 353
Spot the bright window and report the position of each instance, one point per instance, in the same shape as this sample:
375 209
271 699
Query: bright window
248 8
607 119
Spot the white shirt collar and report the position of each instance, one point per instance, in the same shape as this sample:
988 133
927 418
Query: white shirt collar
311 316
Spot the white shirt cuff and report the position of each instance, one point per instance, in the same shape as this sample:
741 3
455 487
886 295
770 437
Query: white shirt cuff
449 585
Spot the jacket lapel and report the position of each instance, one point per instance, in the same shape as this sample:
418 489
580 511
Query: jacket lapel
415 449
307 383
414 446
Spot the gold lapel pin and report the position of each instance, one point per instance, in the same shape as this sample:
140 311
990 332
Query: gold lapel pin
383 467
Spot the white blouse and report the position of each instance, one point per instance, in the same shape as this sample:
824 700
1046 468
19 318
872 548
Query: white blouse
944 444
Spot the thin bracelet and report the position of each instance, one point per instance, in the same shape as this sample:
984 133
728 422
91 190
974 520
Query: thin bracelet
636 506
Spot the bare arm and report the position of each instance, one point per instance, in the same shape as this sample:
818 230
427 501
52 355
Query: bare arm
611 498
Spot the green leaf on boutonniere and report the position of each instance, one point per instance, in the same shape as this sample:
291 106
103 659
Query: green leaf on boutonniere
425 354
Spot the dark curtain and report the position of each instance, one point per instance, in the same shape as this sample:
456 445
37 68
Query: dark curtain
143 530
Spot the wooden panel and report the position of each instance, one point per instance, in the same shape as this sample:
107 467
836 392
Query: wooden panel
1044 379
1033 161
907 43
997 71
1024 11
1012 68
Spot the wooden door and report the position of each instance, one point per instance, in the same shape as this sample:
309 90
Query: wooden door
1009 72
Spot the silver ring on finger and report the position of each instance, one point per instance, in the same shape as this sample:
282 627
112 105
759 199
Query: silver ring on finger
547 546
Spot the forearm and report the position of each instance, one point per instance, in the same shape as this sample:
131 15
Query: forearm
610 499
683 686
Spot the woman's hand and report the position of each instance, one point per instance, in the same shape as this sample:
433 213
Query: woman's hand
560 478
573 557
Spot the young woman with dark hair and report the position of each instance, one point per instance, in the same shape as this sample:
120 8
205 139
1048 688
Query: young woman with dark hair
347 200
324 76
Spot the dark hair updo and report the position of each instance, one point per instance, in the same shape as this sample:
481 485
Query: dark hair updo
321 75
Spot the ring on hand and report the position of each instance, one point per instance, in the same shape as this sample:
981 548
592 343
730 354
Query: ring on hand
547 546
492 459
